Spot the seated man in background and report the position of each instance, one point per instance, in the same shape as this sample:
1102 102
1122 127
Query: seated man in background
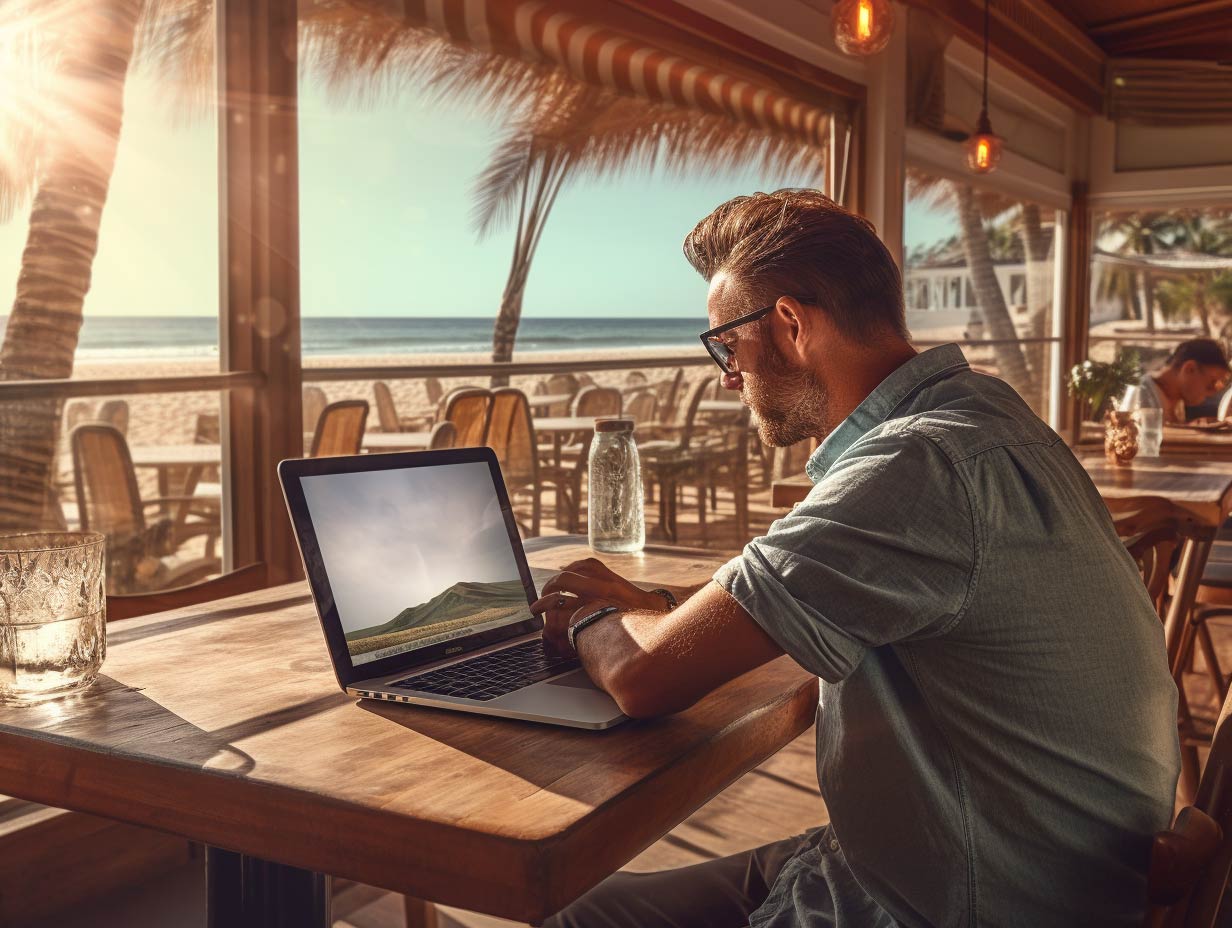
996 735
1193 373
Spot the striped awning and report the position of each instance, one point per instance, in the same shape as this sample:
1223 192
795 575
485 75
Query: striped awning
540 31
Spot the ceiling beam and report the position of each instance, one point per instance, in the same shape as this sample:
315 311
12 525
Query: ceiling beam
1200 31
1035 41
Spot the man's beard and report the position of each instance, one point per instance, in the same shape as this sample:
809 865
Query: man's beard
790 404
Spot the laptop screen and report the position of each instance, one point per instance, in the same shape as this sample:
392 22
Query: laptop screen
415 556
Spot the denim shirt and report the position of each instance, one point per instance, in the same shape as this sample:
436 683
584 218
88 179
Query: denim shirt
996 734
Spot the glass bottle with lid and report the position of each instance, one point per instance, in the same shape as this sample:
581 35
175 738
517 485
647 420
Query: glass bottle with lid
616 521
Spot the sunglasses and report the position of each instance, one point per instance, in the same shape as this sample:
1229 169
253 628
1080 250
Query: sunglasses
718 349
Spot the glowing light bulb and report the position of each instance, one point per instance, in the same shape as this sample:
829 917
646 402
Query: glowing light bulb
983 149
862 27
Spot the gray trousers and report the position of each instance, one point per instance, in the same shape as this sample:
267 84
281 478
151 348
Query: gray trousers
720 893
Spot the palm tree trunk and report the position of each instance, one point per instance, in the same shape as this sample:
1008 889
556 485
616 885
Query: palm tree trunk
1039 296
544 174
41 338
1008 352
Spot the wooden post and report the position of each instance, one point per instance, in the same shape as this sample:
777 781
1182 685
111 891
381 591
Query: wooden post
259 249
1075 335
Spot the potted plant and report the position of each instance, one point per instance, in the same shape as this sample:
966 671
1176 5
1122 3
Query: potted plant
1100 382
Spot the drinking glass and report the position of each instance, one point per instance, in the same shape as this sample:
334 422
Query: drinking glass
52 614
1150 431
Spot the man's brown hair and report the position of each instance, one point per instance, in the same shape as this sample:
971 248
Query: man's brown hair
802 244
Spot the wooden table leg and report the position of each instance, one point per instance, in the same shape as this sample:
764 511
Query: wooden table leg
419 914
247 892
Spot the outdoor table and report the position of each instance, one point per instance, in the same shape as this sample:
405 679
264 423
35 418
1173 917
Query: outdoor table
223 723
396 441
545 400
194 458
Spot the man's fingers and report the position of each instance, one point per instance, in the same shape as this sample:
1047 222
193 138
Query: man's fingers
577 584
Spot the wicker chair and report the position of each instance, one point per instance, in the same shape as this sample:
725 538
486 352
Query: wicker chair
340 429
432 387
511 434
315 402
641 406
468 410
109 502
114 413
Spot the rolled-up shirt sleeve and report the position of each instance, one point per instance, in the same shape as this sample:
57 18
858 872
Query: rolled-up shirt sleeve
882 550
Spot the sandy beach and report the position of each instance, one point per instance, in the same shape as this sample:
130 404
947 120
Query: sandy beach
170 418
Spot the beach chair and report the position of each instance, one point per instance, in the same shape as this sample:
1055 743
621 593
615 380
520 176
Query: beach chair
641 406
340 429
511 434
114 413
315 401
432 388
109 502
468 410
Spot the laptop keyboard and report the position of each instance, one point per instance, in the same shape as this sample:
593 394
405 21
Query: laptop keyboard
495 674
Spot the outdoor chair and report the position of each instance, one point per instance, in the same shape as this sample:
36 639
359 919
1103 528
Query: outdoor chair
635 379
1191 861
468 410
114 413
109 502
387 412
565 465
315 402
340 429
443 435
668 392
443 403
432 388
511 434
564 384
641 406
686 460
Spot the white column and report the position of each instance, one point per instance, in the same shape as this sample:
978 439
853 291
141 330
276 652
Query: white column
884 153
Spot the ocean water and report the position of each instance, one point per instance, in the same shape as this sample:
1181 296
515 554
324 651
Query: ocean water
119 337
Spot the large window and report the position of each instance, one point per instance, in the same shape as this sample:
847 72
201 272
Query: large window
1159 277
980 269
109 262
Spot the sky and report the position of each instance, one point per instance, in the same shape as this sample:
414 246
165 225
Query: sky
385 221
395 538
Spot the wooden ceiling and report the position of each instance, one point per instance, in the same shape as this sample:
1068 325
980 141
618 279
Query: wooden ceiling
1193 30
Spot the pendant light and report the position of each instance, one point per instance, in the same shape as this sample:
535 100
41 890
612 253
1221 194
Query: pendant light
983 147
862 27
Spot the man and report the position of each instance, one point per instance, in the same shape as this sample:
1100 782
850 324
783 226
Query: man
1193 373
996 737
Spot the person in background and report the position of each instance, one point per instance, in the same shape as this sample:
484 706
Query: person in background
1193 373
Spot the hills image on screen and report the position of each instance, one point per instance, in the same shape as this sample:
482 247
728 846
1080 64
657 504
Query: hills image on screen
462 604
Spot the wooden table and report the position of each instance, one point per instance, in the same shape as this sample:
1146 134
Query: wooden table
1178 441
224 723
1202 487
194 458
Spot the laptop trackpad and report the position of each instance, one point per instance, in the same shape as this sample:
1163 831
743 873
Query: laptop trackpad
576 678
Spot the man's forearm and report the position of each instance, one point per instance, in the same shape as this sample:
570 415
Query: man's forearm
618 655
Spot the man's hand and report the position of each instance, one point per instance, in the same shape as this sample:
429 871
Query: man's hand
581 588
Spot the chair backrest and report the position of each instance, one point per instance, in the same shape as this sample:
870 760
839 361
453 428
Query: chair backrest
207 430
669 391
443 435
635 379
511 434
443 403
1152 529
640 406
562 383
468 410
433 388
693 400
1225 404
386 411
340 429
315 402
108 500
585 380
594 401
115 413
77 412
1191 862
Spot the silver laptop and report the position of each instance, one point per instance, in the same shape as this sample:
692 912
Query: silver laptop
423 590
